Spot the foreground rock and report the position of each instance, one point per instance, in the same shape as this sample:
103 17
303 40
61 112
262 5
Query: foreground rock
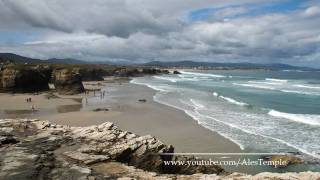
33 149
285 159
68 81
24 79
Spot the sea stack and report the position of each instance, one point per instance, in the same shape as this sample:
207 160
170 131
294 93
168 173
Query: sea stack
68 81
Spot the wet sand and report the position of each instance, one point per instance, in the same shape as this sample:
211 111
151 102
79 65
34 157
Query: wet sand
170 125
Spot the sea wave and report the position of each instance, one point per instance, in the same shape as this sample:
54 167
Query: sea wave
277 80
281 89
166 78
265 82
157 88
289 70
230 100
308 87
233 101
197 104
299 92
262 135
202 74
255 86
199 115
309 119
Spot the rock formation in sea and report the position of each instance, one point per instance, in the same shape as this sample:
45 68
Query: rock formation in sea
34 149
176 72
24 79
68 81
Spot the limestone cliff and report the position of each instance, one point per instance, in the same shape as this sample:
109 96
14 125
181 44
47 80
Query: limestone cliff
24 79
68 81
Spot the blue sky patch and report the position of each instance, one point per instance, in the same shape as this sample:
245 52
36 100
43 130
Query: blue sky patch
253 10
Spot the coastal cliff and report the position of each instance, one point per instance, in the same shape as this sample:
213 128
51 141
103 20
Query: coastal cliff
24 79
34 149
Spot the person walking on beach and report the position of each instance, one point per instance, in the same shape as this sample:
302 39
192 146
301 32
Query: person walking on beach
32 108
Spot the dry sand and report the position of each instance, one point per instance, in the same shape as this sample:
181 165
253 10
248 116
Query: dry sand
170 125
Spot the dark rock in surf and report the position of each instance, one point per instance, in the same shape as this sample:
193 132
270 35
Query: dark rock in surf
176 72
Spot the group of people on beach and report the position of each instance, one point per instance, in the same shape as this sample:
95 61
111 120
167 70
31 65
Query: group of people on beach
29 100
102 95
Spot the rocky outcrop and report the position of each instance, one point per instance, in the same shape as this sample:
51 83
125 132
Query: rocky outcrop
33 149
132 72
285 160
176 72
25 79
92 74
68 81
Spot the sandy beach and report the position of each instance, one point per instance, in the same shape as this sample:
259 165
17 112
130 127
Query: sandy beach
170 125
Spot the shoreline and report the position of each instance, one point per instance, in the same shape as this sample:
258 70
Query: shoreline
169 124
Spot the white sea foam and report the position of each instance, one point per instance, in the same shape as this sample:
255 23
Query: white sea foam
286 89
255 86
289 70
199 117
299 92
277 80
197 104
233 101
308 87
215 94
309 119
166 78
157 88
265 82
202 74
265 136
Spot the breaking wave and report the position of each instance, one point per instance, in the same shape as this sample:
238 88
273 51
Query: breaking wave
302 118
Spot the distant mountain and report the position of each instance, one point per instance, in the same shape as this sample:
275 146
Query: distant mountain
66 61
192 64
5 57
10 57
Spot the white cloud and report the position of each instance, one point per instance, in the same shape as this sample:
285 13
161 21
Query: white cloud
143 30
312 11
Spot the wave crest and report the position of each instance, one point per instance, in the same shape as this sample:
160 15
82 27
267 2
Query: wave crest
309 119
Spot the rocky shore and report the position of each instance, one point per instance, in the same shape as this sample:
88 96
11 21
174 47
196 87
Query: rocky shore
34 149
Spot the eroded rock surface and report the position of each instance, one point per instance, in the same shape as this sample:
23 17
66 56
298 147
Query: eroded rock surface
25 79
68 81
33 149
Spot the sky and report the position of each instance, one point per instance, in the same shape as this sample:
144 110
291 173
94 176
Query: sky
137 31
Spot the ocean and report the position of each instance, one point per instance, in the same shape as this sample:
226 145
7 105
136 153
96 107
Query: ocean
260 111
